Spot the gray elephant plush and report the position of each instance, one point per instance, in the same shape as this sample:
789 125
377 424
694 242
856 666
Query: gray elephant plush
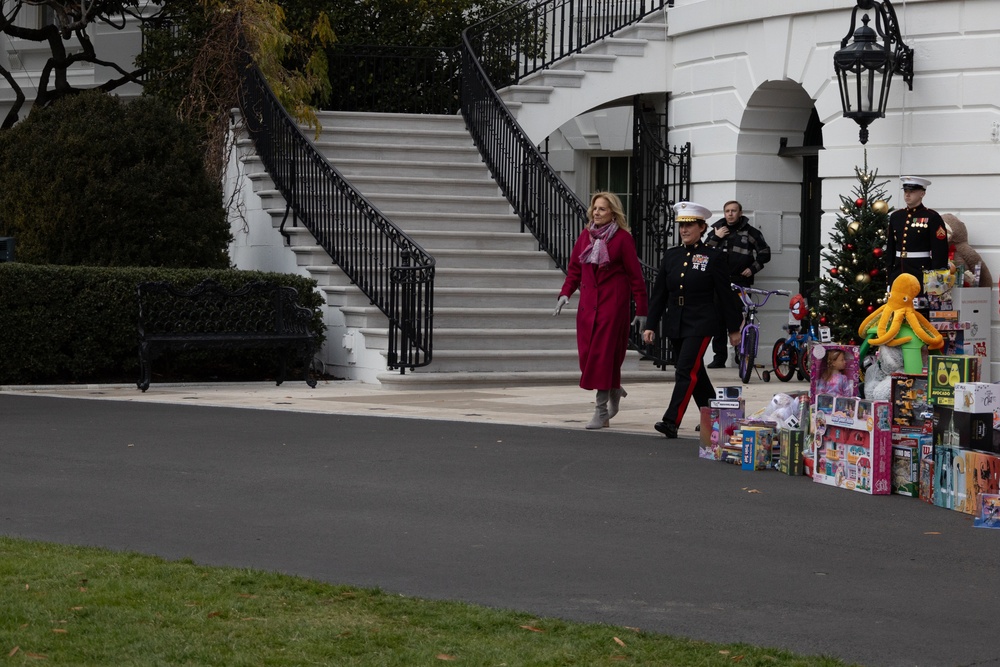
878 375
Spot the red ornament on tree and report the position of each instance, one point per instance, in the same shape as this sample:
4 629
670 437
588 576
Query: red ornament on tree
877 252
834 272
873 273
822 320
850 246
870 309
859 201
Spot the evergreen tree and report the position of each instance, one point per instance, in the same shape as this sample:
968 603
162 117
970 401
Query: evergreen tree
855 281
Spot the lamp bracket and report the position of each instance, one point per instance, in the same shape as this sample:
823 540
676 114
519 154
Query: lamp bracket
887 28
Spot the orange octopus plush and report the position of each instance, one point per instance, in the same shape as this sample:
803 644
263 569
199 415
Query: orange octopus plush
896 312
898 322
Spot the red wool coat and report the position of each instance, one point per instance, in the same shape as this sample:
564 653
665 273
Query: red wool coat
602 317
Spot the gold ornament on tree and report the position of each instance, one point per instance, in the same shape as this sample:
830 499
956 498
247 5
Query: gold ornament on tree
863 278
854 227
880 207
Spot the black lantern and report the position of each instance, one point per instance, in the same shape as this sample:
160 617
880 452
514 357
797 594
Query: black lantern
865 67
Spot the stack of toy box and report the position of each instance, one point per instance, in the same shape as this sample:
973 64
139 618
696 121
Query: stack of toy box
912 430
758 444
852 444
817 367
720 421
791 449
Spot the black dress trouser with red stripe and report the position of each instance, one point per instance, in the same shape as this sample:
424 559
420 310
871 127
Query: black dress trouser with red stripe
690 377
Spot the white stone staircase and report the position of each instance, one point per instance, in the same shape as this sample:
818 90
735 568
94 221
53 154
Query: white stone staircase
494 291
634 60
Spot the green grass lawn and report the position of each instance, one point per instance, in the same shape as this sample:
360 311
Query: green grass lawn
64 605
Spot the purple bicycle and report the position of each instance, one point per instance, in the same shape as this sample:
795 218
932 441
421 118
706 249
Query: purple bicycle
753 299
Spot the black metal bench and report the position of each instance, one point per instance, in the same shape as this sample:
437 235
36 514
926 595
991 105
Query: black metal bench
257 315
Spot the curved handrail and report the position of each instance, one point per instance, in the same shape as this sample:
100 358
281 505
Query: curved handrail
392 270
500 51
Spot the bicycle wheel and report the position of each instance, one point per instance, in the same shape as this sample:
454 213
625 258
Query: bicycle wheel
785 360
749 351
805 359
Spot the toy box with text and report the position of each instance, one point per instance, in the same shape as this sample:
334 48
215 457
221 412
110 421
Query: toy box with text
946 371
906 467
989 511
758 441
791 446
978 398
822 355
719 421
912 412
961 476
926 470
852 444
976 306
938 285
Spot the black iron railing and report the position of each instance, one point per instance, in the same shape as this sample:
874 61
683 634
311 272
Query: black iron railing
393 271
535 34
661 177
501 51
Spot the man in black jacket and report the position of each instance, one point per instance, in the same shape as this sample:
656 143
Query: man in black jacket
746 254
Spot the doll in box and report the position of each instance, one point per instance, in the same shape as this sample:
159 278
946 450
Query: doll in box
832 379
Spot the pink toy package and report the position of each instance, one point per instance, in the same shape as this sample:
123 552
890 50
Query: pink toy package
833 370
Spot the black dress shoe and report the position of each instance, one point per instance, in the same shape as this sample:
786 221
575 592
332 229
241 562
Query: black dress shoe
666 428
717 364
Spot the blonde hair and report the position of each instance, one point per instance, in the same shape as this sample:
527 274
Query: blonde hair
829 370
614 203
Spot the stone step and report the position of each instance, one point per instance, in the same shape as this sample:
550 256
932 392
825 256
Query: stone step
486 339
369 121
478 318
633 372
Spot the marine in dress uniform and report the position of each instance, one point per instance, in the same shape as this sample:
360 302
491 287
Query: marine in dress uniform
917 238
692 284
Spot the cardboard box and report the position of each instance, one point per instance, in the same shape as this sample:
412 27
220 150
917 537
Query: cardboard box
791 446
926 470
906 468
724 416
976 306
989 511
818 366
757 445
912 412
978 397
852 453
944 372
974 429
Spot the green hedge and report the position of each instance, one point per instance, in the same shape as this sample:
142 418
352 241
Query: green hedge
79 325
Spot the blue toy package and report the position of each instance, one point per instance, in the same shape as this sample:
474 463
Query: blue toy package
989 515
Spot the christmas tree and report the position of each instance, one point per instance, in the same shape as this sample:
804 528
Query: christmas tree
854 282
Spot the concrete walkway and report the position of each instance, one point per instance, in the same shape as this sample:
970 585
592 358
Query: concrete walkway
563 406
462 496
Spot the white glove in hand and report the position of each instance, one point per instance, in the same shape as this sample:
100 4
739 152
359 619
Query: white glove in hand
563 300
640 321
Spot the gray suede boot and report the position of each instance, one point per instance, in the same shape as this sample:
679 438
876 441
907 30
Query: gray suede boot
616 397
600 418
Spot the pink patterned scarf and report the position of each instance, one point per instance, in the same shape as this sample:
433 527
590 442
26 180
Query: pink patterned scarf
597 251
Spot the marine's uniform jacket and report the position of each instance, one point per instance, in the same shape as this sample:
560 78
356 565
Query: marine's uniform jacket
915 230
685 293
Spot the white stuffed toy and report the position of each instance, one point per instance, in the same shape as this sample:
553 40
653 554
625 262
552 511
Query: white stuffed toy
878 375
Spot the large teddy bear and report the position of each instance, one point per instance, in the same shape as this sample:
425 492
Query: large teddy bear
965 254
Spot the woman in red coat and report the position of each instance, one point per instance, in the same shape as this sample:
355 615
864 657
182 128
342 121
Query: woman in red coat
605 268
